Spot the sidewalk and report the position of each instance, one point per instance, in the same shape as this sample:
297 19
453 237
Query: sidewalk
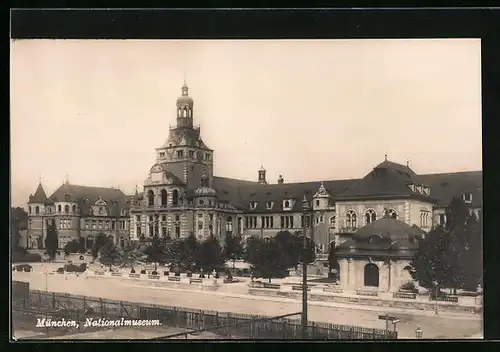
319 303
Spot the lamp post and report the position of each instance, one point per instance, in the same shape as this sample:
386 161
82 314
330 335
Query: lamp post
304 319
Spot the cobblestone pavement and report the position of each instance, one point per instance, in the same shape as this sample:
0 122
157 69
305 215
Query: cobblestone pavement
434 327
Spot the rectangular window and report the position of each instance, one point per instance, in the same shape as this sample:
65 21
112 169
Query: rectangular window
151 218
177 218
177 231
191 154
317 202
138 218
162 155
112 225
441 219
180 153
138 230
163 218
207 156
282 222
246 222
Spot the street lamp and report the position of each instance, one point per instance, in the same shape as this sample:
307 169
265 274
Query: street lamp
304 320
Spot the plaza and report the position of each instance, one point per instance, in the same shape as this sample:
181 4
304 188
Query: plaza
235 299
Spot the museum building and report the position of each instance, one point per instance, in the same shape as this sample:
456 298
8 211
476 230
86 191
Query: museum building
182 196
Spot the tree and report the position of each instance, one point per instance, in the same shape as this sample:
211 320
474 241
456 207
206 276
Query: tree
18 219
130 255
233 247
155 251
430 265
310 253
209 255
100 240
51 240
109 255
171 248
188 249
291 245
266 258
73 246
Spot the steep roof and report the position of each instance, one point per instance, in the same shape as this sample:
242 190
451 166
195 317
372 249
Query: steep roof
39 196
388 179
185 136
86 196
445 186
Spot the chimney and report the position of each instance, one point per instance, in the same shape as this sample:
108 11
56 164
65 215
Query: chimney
280 179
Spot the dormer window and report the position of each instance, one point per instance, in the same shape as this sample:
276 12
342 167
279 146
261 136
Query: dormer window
427 190
269 205
207 156
253 205
412 187
191 154
419 189
287 204
162 154
467 197
180 153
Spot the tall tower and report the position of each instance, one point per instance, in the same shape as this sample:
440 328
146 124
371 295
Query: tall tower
184 153
185 109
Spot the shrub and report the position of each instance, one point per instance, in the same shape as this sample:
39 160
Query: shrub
72 268
189 274
143 271
154 273
60 270
166 273
177 274
132 271
409 285
27 257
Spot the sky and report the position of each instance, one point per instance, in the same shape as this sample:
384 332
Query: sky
93 111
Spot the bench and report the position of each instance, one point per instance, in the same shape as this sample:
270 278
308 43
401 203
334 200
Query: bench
333 289
196 281
366 293
299 288
156 277
99 272
174 278
404 295
134 276
452 299
268 285
116 274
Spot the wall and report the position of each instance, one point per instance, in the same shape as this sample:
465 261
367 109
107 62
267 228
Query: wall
360 207
352 274
415 206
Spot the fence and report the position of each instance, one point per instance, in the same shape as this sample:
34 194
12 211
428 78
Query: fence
227 325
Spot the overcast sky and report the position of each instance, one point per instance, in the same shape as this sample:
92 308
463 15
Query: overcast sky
310 110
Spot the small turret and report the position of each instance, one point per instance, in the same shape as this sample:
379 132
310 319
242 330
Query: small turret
262 175
280 179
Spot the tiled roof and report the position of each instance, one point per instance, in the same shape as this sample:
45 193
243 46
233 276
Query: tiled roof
185 136
389 230
86 196
448 185
39 196
386 179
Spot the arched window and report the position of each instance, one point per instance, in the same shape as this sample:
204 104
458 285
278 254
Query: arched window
59 208
371 275
393 214
332 222
175 197
122 242
229 224
351 219
101 210
370 216
163 197
74 209
151 198
37 210
287 204
66 209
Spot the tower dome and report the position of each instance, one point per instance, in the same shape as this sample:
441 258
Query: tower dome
185 98
205 190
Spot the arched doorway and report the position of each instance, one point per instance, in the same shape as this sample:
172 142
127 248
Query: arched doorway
371 275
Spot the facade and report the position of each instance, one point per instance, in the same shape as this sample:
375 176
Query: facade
181 195
376 256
